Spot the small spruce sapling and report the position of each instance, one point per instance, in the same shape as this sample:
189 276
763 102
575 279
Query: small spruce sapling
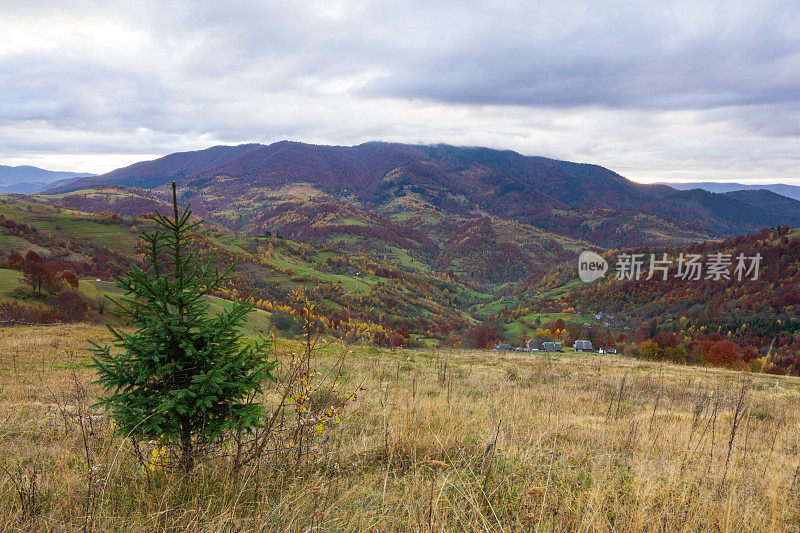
182 376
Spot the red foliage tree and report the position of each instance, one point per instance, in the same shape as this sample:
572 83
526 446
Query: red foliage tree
69 305
665 339
32 257
34 274
724 353
483 336
40 275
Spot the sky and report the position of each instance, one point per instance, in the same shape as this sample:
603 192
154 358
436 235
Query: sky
657 91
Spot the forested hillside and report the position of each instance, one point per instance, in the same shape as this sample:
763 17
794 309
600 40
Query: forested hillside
362 295
749 320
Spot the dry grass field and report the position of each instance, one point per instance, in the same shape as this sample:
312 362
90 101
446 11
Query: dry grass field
436 441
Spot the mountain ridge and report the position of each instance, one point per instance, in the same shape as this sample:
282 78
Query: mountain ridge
335 192
29 179
29 173
783 189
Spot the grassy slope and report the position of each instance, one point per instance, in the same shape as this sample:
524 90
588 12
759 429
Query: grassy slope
68 224
9 281
581 443
258 322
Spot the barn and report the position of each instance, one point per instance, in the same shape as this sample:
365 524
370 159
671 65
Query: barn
553 347
534 344
583 346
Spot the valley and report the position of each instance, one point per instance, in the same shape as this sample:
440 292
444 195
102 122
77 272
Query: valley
415 246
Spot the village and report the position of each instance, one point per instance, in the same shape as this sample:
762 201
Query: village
538 345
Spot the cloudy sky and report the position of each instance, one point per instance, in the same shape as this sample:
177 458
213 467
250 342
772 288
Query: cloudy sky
664 90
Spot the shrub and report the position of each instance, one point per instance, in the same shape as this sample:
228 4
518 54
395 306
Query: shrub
649 350
13 312
71 278
630 351
676 354
70 306
285 322
15 259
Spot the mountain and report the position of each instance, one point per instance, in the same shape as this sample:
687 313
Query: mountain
483 216
766 200
29 174
790 191
557 196
28 179
23 188
151 174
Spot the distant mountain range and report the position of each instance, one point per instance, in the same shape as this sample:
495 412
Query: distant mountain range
559 196
29 179
790 191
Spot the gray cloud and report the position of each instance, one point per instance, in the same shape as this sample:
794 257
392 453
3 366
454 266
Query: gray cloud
653 89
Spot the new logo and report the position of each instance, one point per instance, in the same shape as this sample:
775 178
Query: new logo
591 266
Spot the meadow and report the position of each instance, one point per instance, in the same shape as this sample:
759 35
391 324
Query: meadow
436 440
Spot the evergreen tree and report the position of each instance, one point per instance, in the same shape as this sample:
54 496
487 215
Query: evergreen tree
181 377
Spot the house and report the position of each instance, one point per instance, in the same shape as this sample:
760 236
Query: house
553 347
583 346
534 344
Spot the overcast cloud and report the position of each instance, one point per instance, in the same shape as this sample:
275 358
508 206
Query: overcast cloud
654 90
